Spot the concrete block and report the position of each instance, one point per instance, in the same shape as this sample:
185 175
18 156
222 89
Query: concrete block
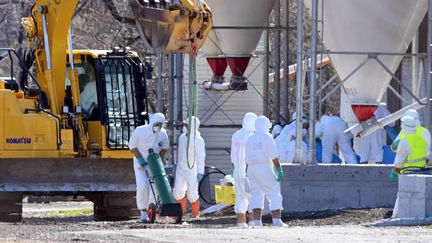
326 187
414 196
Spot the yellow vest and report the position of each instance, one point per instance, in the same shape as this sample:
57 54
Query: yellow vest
418 147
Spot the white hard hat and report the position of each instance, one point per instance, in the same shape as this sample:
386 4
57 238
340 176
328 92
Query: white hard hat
414 114
409 124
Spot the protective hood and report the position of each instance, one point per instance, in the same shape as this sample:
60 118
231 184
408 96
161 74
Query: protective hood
276 131
194 126
293 116
408 124
262 124
155 118
414 114
249 121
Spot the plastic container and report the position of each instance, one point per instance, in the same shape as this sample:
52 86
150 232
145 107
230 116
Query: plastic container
224 194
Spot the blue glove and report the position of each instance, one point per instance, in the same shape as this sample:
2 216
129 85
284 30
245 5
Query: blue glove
279 174
142 161
394 176
200 177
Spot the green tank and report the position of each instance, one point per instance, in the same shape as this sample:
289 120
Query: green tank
160 178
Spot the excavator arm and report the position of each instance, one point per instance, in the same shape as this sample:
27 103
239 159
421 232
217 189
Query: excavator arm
172 25
47 33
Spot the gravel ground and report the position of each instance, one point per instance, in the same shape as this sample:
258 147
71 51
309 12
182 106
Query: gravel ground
46 222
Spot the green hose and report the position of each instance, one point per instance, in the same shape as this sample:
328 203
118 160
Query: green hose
192 104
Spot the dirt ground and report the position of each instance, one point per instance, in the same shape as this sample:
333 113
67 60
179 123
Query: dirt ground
73 222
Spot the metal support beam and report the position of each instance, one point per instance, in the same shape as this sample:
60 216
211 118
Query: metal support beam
269 28
312 84
415 64
336 88
286 110
172 107
277 84
159 85
299 78
266 74
429 68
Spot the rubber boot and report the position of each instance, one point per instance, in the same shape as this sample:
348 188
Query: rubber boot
183 202
195 206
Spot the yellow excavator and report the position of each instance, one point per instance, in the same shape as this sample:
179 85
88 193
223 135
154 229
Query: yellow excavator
82 103
86 103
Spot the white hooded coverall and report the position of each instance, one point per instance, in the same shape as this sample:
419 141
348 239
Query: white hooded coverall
186 178
409 126
238 143
370 147
332 128
426 134
143 138
260 151
286 145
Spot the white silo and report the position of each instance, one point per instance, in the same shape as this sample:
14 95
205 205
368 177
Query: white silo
236 46
384 26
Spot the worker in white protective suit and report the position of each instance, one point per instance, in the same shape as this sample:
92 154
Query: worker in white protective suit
143 138
370 147
190 167
238 143
426 134
293 125
276 130
412 151
286 145
331 130
262 161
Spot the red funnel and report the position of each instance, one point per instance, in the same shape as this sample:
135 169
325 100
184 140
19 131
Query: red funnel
218 65
238 65
364 112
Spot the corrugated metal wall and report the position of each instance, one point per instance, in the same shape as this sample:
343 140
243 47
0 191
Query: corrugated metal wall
233 105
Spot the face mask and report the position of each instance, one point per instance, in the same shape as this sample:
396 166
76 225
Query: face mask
157 127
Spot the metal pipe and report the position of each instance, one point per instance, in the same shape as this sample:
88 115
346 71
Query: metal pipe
266 75
381 123
336 88
172 107
397 80
46 42
312 86
373 54
270 28
414 63
394 91
277 85
429 67
299 78
71 58
159 85
285 111
179 89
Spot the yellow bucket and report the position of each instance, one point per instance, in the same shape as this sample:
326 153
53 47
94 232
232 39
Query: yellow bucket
224 194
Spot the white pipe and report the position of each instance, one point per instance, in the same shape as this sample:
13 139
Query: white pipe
381 123
216 86
46 41
71 58
292 69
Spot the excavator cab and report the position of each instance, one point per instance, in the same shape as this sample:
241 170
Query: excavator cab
112 95
112 87
172 25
